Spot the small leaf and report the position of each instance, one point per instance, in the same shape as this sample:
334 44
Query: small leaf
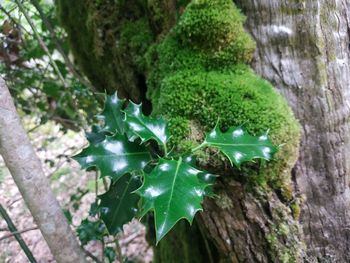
145 127
113 115
110 254
119 204
89 230
68 215
93 209
114 156
173 191
239 146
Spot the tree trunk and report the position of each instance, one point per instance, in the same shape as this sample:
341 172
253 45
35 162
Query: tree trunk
302 49
25 168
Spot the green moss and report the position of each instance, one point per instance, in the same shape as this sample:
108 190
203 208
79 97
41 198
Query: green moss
197 72
163 14
135 39
235 98
282 246
296 210
180 129
283 229
210 24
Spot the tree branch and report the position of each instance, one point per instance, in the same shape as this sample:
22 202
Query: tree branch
90 255
26 170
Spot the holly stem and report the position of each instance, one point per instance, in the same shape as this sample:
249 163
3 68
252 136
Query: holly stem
199 147
165 150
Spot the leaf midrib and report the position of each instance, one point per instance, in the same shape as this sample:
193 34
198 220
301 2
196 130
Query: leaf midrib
109 155
172 188
122 198
235 144
145 125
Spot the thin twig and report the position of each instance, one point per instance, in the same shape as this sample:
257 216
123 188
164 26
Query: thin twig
96 184
99 217
130 238
18 232
18 237
90 255
119 251
34 128
14 201
103 249
12 19
41 42
58 167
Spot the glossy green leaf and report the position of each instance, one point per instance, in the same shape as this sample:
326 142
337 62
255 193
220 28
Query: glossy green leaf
239 146
114 156
203 175
113 115
145 127
173 191
118 205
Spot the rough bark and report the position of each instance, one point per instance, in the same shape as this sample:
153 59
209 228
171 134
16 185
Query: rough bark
303 49
25 168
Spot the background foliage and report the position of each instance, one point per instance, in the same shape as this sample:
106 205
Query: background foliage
33 81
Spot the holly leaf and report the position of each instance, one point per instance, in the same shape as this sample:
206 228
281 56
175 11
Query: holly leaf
239 146
118 205
109 253
173 191
204 176
114 156
88 231
112 115
145 127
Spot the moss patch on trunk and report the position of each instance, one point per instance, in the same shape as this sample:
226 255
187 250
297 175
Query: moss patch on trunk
199 74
